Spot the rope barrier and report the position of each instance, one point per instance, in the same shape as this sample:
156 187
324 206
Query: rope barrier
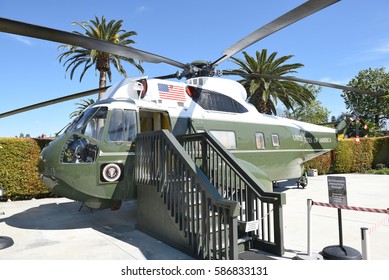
364 209
373 228
365 232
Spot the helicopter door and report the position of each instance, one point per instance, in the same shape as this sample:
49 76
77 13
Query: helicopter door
116 157
154 120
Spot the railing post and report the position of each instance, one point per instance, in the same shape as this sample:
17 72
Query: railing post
204 163
278 227
233 238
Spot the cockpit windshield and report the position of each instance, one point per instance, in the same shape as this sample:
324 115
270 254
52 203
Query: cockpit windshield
122 124
90 123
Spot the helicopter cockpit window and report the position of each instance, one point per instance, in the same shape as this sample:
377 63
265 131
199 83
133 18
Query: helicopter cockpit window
122 126
90 123
214 101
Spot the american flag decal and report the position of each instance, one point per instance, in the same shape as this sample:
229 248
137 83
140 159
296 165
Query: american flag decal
171 92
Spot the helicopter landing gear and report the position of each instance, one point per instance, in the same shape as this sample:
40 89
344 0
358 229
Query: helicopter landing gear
302 181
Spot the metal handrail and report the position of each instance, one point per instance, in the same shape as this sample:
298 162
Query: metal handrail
208 221
234 182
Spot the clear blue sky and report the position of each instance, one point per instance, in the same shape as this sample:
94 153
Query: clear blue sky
333 44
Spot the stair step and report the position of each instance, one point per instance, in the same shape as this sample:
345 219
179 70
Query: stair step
254 255
244 239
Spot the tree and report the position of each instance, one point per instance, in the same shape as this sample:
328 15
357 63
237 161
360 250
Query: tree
82 105
313 112
370 108
75 56
264 92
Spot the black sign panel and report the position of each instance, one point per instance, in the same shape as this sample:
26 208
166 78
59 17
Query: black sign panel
337 192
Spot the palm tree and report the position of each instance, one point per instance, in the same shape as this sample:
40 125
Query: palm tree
75 56
264 93
82 105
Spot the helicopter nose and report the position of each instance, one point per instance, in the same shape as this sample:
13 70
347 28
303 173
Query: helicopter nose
52 172
46 170
42 162
49 159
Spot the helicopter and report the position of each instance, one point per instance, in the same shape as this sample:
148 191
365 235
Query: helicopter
92 160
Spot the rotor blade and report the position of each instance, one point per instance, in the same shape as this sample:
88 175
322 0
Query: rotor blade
45 33
299 80
170 76
325 84
302 11
52 101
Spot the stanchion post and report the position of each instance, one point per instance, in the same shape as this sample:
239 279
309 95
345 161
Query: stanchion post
309 227
365 239
309 255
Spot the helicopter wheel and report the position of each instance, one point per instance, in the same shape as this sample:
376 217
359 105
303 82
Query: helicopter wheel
302 181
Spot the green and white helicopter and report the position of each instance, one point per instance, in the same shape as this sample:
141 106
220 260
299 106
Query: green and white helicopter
92 160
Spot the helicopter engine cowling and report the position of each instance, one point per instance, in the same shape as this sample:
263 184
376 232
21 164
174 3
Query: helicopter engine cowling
125 89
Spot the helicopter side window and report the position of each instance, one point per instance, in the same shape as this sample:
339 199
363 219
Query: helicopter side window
275 140
260 141
214 101
226 138
122 126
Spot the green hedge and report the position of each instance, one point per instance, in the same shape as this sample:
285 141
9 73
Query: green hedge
19 175
322 163
382 152
349 157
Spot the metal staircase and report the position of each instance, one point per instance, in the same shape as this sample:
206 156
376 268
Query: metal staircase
194 195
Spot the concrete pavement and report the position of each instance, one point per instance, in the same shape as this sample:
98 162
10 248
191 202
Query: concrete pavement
54 228
46 229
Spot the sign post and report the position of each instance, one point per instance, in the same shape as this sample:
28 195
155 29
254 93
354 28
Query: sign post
337 193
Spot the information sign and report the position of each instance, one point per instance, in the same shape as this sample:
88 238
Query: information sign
337 192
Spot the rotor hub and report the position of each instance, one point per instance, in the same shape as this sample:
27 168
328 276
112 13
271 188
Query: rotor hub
199 68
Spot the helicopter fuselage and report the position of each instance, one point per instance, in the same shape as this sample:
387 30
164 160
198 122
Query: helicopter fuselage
93 160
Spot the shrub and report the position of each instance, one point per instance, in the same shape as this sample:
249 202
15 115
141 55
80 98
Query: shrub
19 176
361 154
379 166
381 156
349 157
382 171
322 163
